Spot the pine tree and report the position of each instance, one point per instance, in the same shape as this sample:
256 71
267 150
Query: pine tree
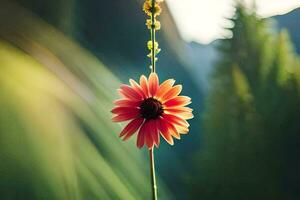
249 111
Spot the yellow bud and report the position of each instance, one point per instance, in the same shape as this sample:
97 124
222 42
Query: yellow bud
156 24
149 45
147 8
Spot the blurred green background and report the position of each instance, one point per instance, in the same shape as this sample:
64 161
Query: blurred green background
61 62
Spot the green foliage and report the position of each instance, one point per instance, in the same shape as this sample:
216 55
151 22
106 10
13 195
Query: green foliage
251 116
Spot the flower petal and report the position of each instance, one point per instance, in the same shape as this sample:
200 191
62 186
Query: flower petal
165 131
144 85
124 110
148 134
178 101
125 117
153 131
178 109
131 128
127 103
175 120
173 130
183 112
172 93
141 136
164 87
129 93
153 84
155 134
137 88
182 129
187 115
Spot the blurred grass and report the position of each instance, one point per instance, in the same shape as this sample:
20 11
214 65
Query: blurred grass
56 137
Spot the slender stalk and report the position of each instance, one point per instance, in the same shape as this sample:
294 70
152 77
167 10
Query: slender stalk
153 37
153 69
152 172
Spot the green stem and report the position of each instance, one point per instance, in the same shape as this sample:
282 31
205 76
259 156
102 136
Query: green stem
153 37
152 172
151 151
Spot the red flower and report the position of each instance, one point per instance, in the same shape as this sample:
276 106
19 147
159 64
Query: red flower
153 110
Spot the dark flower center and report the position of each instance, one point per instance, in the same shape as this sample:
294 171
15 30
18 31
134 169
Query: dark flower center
151 108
